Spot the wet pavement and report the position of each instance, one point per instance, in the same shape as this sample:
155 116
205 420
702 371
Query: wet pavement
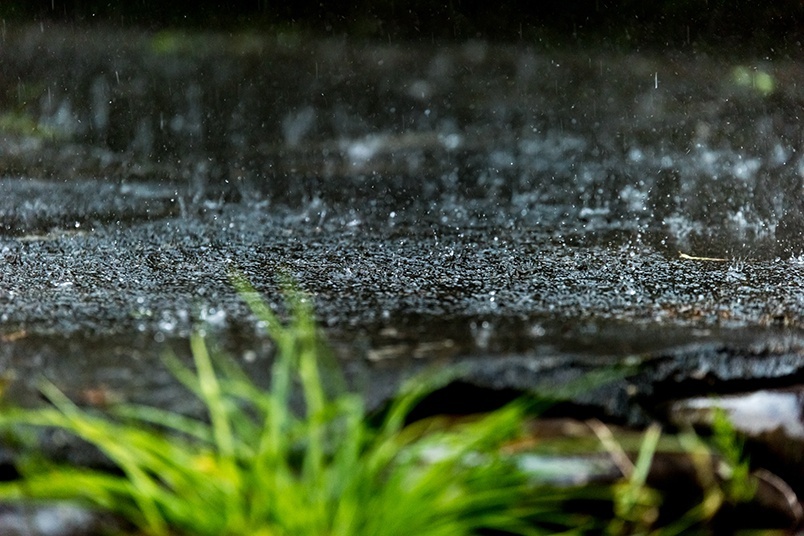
535 214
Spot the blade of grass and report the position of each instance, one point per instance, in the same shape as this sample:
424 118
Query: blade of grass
262 468
219 413
94 431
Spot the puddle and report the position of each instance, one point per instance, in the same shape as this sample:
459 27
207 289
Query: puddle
36 209
675 147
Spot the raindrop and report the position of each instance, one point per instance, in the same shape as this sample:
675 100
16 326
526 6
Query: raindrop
481 333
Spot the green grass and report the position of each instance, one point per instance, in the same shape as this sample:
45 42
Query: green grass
261 464
257 467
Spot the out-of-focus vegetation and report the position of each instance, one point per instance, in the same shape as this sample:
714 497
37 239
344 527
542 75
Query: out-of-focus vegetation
258 465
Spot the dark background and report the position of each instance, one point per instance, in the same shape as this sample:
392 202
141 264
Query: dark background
743 23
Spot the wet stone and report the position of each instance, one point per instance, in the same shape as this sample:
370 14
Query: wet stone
772 420
57 520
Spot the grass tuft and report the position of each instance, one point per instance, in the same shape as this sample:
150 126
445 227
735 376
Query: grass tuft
262 464
255 466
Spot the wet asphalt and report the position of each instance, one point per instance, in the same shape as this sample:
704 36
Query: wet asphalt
537 215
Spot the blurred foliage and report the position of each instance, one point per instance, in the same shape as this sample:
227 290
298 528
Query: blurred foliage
19 123
725 438
623 22
754 79
261 463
